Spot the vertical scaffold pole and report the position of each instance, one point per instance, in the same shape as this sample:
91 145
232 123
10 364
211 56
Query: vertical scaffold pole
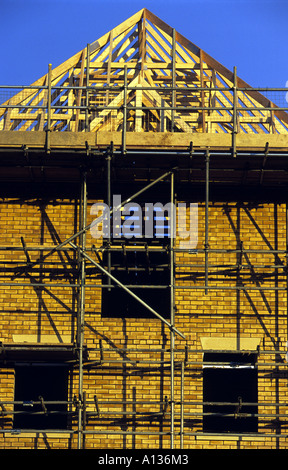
87 87
173 79
81 309
109 157
49 92
207 218
235 103
172 311
125 110
182 407
287 280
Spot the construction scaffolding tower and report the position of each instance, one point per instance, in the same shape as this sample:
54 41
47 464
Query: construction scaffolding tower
145 114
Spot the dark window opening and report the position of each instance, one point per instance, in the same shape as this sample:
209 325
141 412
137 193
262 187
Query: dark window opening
231 378
34 383
139 257
149 268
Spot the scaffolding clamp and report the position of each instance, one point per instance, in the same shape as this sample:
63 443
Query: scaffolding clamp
76 403
110 150
25 150
235 115
28 403
88 148
191 151
266 154
165 406
238 408
43 405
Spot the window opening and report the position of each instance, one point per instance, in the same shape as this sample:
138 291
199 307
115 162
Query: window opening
139 257
34 383
137 268
230 380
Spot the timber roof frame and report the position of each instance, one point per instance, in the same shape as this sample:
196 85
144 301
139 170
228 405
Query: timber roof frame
145 76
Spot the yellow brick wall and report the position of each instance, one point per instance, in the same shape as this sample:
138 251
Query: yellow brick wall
222 312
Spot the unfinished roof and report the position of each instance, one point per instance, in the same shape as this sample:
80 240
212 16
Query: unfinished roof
147 75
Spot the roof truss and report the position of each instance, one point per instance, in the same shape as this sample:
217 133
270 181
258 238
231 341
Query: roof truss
172 85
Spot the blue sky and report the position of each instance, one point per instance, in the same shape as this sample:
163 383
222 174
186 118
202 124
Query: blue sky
249 34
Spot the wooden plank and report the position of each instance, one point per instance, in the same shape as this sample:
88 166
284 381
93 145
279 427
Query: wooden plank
149 65
153 56
158 22
109 65
121 28
138 113
117 45
142 41
185 57
203 115
180 140
42 112
79 92
159 45
7 118
12 139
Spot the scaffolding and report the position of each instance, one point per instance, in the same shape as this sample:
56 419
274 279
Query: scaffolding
172 412
124 152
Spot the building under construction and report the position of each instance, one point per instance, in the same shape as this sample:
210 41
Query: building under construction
143 251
